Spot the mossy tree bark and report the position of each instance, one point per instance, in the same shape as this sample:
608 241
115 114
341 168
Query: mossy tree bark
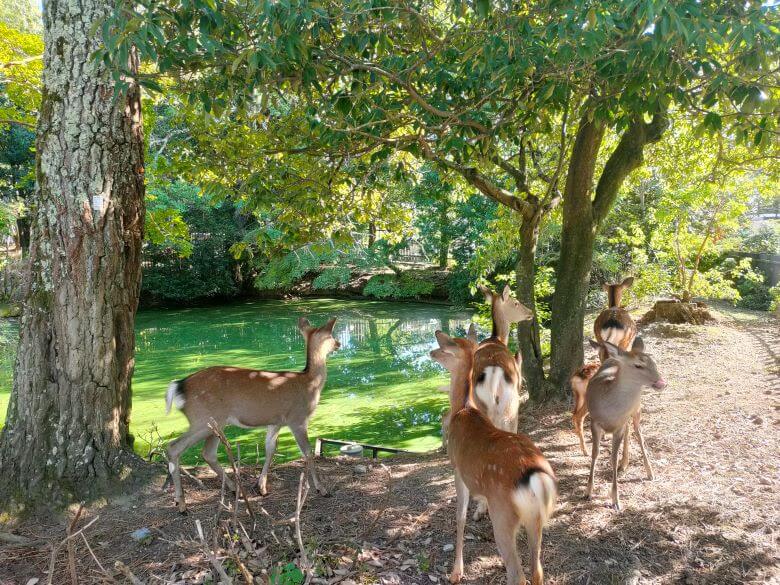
582 217
67 423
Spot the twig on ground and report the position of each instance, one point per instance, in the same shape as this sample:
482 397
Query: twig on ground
89 548
125 570
74 577
211 556
303 491
56 549
236 473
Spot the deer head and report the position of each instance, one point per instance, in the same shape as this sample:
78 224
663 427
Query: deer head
635 364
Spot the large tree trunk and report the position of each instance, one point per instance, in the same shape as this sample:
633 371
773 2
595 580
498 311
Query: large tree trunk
528 331
67 425
573 269
581 221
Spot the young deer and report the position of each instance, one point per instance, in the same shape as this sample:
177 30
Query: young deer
505 468
614 398
251 398
614 324
579 386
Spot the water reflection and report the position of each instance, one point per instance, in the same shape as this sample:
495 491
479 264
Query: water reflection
381 383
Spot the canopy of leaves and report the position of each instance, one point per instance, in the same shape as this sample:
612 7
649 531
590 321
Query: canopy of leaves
20 73
474 87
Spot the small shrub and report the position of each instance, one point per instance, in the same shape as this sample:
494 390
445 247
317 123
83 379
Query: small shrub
390 286
332 278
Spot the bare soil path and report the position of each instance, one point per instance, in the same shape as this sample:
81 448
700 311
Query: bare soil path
711 516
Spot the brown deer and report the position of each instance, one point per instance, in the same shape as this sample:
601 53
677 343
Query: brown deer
614 398
497 378
505 468
579 385
251 398
614 324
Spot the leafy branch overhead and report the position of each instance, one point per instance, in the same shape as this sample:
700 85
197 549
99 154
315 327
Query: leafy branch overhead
475 89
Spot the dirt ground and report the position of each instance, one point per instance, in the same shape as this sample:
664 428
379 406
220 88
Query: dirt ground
712 514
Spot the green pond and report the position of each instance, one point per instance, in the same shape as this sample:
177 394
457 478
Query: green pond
381 388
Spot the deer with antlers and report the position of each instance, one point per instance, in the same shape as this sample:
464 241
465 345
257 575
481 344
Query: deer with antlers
220 396
504 468
614 399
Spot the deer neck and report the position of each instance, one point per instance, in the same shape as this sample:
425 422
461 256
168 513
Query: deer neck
615 295
316 369
461 388
500 326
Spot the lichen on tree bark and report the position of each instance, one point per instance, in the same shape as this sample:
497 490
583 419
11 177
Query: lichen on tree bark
67 422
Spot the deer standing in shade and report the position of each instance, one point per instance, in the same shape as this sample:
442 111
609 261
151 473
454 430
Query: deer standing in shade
614 399
505 468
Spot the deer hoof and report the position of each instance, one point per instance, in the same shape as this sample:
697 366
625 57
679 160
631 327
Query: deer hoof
182 507
455 577
322 491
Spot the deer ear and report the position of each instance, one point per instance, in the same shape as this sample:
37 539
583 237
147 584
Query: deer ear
519 361
445 342
304 325
488 294
505 293
472 334
627 282
329 325
612 349
639 345
594 344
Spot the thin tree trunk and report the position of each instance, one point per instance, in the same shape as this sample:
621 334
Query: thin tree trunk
444 236
528 331
67 427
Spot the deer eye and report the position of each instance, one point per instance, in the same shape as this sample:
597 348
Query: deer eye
640 366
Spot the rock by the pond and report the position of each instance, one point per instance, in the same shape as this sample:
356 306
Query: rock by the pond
449 547
142 535
360 469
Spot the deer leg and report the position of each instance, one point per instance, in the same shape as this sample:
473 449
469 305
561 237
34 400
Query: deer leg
301 434
533 530
505 523
626 449
175 449
617 438
210 446
579 420
461 510
645 456
595 439
271 439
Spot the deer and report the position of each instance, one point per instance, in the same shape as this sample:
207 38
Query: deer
496 371
579 386
614 325
220 396
614 398
507 469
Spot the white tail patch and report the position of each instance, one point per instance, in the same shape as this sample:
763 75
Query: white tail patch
174 397
612 335
497 394
537 499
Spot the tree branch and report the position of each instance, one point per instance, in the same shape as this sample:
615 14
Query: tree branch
627 156
480 181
